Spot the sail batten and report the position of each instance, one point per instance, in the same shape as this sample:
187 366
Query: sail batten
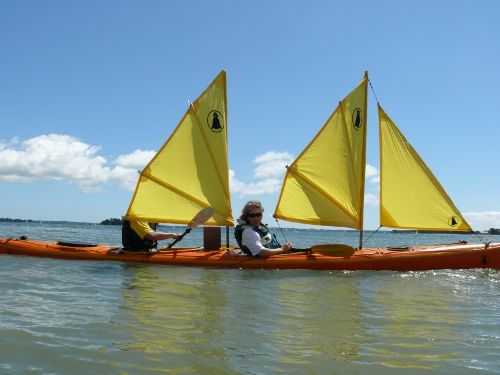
321 191
175 190
190 171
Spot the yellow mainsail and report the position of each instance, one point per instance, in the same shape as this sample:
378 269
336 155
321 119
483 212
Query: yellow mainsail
410 195
190 172
325 184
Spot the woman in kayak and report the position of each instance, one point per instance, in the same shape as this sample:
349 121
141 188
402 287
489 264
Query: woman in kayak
254 237
142 236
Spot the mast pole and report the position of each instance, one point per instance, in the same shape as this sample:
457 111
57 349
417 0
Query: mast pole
363 164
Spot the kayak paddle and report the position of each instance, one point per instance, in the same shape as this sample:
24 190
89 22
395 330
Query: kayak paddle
338 249
199 219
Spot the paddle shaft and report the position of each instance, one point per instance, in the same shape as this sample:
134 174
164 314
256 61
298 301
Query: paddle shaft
179 238
327 249
200 218
295 250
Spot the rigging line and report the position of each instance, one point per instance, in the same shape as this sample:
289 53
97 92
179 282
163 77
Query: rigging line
283 234
365 241
482 239
373 91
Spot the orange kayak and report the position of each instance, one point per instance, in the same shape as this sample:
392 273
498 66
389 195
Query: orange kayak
450 256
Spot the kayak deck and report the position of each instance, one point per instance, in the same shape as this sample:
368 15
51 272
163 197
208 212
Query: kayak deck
450 256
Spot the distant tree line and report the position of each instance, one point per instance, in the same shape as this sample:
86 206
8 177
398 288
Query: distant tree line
8 220
112 221
493 231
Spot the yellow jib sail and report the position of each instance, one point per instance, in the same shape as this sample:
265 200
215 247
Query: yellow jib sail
410 195
325 184
190 171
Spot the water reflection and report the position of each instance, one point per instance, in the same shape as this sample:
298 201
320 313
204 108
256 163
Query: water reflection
237 321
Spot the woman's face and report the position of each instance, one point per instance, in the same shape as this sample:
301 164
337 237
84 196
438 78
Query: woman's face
254 217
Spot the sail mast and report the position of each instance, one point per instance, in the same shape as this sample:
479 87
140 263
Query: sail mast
363 165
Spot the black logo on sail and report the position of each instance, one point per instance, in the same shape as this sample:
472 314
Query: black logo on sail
453 221
215 121
357 119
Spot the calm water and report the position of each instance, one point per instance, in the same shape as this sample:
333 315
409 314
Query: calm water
79 317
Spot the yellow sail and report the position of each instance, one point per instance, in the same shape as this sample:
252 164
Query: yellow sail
410 195
190 171
325 184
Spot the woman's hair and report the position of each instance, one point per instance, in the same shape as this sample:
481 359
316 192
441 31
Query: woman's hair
249 206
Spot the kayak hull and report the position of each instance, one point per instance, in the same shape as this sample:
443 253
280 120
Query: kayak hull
451 256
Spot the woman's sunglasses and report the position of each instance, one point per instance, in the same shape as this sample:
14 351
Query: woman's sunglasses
258 214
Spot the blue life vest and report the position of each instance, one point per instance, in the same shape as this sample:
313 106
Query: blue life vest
267 238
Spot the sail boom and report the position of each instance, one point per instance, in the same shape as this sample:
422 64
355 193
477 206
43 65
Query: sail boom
431 229
323 222
318 188
180 192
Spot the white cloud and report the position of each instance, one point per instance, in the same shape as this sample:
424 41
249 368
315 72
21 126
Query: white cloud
128 166
271 164
483 220
63 157
262 186
136 160
268 173
371 200
372 174
235 185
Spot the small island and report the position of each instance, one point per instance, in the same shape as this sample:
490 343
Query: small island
493 231
8 220
111 221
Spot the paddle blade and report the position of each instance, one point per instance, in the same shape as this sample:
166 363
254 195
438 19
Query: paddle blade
201 217
334 250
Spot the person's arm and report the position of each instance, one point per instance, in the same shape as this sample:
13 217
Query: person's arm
264 253
251 240
158 236
146 233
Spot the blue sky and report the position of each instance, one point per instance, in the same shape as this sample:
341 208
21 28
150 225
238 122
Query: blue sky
90 89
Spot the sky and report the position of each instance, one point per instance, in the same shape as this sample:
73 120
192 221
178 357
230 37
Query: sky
89 90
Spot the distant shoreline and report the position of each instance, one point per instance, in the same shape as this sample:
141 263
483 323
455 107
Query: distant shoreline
116 222
8 220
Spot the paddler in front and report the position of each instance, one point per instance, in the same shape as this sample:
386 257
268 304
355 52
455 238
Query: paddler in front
142 236
254 238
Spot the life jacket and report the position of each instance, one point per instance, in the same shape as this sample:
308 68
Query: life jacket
132 241
267 238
